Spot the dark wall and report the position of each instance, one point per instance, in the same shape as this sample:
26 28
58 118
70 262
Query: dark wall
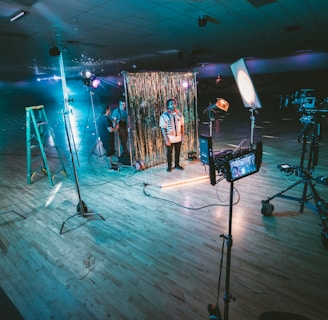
15 96
271 89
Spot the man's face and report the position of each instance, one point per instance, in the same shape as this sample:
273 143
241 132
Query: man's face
122 105
172 105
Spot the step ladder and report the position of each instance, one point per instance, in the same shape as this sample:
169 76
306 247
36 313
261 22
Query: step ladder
39 140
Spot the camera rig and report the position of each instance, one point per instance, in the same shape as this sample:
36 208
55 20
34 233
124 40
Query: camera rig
235 164
311 121
304 100
231 165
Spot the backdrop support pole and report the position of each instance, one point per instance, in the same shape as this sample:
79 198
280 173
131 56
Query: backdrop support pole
196 112
127 110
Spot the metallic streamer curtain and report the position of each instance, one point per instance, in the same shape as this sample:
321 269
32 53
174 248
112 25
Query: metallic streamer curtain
147 93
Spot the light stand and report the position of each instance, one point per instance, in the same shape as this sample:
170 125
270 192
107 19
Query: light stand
214 311
82 209
98 148
210 114
211 110
252 117
227 296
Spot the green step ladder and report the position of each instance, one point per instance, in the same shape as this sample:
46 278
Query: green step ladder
39 140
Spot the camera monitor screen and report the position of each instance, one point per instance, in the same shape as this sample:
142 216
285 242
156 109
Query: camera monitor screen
242 166
245 84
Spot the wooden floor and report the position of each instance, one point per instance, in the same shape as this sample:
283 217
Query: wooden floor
157 254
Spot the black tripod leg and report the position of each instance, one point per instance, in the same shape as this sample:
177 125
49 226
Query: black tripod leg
267 207
322 209
280 194
304 196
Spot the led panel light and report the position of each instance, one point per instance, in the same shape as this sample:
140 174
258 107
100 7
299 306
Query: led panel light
245 85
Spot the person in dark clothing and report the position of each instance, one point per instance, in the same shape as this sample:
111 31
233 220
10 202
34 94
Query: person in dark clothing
106 135
120 116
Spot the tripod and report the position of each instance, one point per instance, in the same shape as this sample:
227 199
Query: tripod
311 129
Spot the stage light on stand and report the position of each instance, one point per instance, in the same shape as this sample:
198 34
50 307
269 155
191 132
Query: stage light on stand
213 111
92 81
95 83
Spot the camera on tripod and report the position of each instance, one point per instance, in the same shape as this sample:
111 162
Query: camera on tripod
230 164
306 102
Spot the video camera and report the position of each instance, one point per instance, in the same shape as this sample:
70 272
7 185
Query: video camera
306 102
231 164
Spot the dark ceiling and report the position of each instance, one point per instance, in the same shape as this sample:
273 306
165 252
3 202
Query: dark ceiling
110 36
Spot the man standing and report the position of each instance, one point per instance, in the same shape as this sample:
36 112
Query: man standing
106 134
120 116
172 126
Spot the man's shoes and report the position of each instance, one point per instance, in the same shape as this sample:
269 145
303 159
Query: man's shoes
169 169
113 168
178 167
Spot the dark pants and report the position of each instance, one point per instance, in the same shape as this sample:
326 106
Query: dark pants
169 149
109 147
123 134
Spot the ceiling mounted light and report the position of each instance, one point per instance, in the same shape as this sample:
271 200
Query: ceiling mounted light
18 15
202 21
54 52
204 18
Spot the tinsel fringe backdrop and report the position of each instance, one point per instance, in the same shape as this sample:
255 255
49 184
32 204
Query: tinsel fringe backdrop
147 94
